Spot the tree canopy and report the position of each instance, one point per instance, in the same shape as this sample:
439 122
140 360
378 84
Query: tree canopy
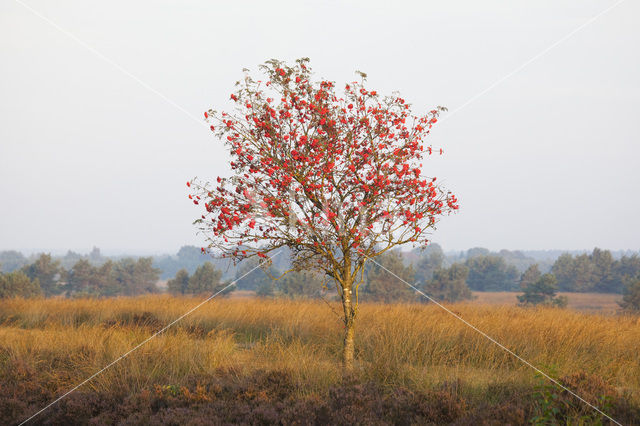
450 284
325 175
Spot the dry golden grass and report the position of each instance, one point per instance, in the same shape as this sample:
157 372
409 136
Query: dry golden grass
585 302
413 345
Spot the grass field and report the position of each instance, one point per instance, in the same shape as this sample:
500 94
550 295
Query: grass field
260 358
583 302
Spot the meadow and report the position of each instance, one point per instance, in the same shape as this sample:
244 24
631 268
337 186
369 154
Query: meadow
601 303
258 361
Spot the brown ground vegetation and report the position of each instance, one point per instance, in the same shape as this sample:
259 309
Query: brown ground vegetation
258 361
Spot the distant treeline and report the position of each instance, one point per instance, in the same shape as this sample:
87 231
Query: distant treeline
446 276
47 277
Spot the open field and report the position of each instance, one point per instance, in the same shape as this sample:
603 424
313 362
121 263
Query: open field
584 302
265 361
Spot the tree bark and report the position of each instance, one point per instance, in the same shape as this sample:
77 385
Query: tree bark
349 317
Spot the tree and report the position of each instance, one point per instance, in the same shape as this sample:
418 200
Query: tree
10 260
206 279
491 273
595 272
562 269
449 285
18 284
179 284
81 278
300 284
260 278
574 274
96 256
530 276
70 259
542 292
137 276
631 298
105 280
338 179
47 272
517 259
603 268
478 251
431 261
627 268
382 286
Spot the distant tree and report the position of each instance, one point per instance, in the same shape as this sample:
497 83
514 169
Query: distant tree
206 279
624 270
631 298
563 270
491 273
47 272
449 285
81 278
137 276
190 254
297 284
597 271
542 292
18 284
530 276
584 278
432 259
261 278
189 258
70 259
381 286
127 276
517 259
11 260
478 251
266 289
146 276
602 270
105 282
95 256
180 283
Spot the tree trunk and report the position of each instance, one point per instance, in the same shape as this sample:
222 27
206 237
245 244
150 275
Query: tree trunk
347 354
349 317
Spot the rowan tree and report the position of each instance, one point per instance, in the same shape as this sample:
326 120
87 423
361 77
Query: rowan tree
336 178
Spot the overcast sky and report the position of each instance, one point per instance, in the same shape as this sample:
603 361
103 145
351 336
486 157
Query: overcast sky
548 158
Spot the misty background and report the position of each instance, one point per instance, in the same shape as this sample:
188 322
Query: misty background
89 157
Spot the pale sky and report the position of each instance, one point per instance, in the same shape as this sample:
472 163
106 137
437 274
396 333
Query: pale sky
546 159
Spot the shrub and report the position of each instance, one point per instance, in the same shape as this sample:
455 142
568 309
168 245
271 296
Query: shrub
542 292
